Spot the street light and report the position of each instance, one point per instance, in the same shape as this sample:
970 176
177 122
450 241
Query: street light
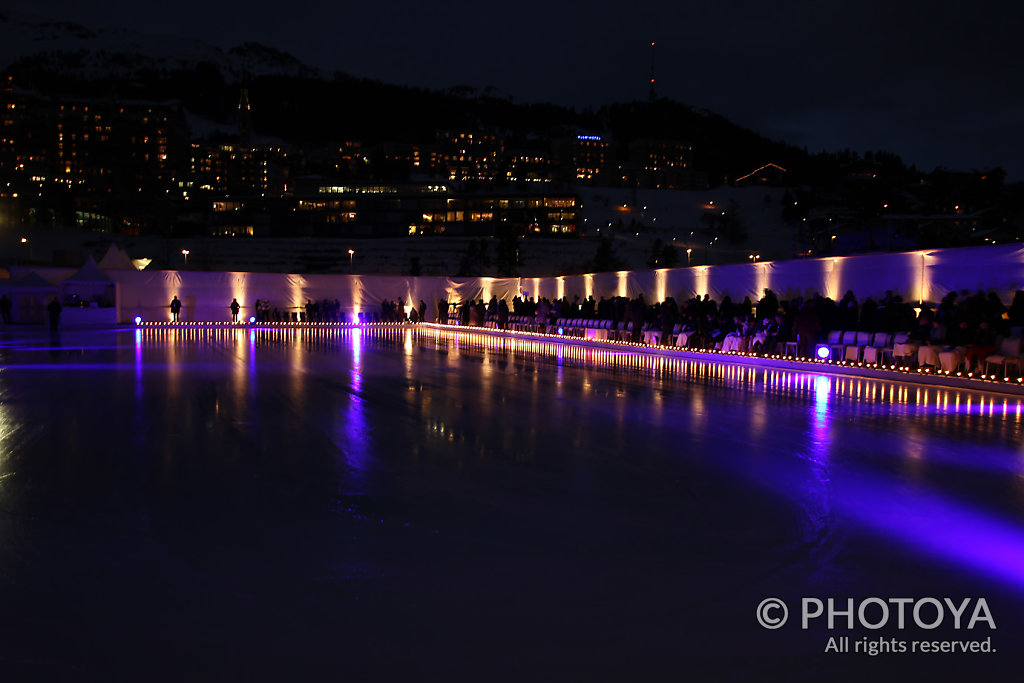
688 252
351 252
185 253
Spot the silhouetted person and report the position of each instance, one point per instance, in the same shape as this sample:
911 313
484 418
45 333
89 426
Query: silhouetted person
982 345
806 327
1016 311
503 315
175 308
638 311
669 316
235 307
53 309
5 309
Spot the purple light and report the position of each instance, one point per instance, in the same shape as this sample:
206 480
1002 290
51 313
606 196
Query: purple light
934 522
822 352
252 319
138 320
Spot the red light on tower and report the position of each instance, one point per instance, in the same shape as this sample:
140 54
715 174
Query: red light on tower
651 95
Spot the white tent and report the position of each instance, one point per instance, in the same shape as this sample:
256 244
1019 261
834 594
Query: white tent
89 287
116 259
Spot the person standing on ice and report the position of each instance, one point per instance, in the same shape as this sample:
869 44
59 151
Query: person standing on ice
234 310
175 308
5 309
54 308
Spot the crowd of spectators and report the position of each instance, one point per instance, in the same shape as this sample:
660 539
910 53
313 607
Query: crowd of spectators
970 322
963 323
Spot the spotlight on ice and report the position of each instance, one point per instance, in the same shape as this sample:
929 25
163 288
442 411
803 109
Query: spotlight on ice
822 352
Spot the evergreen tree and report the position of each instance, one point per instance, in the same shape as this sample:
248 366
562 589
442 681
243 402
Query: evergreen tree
654 260
605 259
508 254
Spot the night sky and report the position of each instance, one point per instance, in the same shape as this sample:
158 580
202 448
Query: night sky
936 82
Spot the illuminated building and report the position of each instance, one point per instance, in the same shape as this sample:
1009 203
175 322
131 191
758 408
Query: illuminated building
393 210
101 164
660 164
347 160
489 214
241 169
93 146
118 146
390 161
467 156
530 166
26 136
584 158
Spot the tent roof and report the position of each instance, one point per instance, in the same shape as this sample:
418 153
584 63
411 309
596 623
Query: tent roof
116 259
90 273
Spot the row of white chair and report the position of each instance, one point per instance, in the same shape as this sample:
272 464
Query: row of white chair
849 345
854 346
882 347
1009 355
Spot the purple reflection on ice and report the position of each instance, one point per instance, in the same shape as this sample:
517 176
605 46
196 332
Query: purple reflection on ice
352 431
930 521
915 514
252 356
138 363
357 345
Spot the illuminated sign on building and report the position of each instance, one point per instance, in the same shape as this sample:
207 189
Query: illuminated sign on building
381 189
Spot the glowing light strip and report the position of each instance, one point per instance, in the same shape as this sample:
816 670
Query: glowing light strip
880 371
875 371
761 169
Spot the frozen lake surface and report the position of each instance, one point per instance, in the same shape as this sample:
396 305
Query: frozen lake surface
383 505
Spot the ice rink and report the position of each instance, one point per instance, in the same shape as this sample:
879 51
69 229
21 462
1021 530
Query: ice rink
391 504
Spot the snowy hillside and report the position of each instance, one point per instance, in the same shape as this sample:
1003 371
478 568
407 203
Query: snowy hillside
78 50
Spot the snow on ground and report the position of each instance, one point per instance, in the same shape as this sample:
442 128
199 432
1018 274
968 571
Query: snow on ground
120 50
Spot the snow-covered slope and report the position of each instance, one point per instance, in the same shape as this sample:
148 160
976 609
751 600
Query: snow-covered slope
78 50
